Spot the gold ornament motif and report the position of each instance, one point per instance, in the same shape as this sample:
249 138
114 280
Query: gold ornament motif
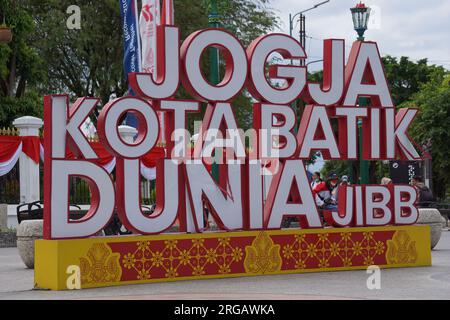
305 253
100 265
145 260
263 256
128 260
288 252
401 249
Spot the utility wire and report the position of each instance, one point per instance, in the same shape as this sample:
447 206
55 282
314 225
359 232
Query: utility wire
443 62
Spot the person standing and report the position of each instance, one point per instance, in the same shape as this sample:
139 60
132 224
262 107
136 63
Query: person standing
324 191
426 197
344 182
316 179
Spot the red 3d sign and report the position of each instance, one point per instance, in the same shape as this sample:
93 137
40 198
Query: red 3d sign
245 197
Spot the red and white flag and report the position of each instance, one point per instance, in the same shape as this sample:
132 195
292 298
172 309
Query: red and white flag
168 16
148 20
151 16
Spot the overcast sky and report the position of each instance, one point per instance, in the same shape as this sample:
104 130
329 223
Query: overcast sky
414 28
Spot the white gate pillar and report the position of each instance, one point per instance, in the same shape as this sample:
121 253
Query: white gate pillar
29 170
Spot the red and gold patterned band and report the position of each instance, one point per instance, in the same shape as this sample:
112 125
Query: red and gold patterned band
169 257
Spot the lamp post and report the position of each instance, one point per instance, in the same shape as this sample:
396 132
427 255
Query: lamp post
302 24
315 61
302 20
360 15
214 22
428 164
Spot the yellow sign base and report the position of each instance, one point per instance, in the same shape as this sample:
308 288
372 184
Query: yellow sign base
110 261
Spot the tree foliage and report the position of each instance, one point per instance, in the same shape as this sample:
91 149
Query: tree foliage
426 87
86 61
432 124
11 108
406 77
246 19
334 166
20 65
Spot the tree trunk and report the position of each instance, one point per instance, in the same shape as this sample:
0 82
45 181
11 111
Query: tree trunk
12 74
21 87
4 87
373 172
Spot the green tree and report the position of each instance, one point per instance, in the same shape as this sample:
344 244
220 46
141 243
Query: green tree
432 124
11 108
21 67
85 61
335 166
420 85
247 19
405 77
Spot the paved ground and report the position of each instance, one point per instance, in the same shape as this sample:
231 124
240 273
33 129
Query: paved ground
16 282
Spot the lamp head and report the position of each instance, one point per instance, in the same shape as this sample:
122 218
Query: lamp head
360 15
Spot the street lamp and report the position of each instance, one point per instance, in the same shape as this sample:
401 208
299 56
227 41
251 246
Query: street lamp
360 15
302 24
315 61
302 20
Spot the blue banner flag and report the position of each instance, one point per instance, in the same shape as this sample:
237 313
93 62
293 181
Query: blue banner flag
131 42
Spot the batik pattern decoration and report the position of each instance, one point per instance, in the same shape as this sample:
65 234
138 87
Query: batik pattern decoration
169 257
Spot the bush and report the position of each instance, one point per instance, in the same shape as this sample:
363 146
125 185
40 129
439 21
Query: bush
12 108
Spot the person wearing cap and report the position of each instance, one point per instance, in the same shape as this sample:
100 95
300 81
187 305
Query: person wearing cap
333 184
324 191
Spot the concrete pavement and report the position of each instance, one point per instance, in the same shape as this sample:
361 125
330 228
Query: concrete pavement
16 282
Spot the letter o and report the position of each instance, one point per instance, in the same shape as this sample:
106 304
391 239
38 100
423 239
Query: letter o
235 60
148 130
